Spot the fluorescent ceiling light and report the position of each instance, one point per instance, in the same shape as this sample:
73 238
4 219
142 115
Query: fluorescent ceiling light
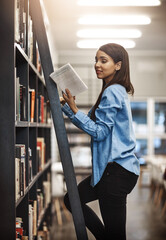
119 2
114 20
109 33
96 43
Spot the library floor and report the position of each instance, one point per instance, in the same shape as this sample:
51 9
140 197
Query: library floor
144 221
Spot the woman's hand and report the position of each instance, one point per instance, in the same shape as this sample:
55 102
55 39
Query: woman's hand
62 100
70 100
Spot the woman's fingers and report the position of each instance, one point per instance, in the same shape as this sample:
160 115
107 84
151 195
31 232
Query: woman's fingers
68 93
62 100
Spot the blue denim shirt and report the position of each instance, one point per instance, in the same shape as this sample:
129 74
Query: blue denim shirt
112 135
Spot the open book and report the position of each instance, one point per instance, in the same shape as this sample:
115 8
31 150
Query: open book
66 77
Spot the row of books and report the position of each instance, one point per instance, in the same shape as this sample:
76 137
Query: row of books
31 45
20 171
43 234
36 210
20 165
32 219
41 154
20 233
38 207
20 23
21 36
41 109
20 100
43 200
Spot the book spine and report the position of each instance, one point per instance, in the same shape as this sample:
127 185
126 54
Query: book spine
24 104
34 218
32 105
42 109
20 153
18 173
17 178
17 99
17 21
39 108
30 222
21 28
30 176
21 102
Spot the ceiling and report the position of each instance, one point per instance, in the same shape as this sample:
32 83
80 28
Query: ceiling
63 21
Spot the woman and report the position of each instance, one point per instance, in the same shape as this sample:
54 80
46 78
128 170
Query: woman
115 168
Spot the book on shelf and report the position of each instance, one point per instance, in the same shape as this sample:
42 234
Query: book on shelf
17 97
20 23
41 148
20 170
40 205
38 158
38 61
30 222
17 21
47 193
31 105
22 103
32 219
35 218
19 229
43 110
48 113
67 77
30 38
20 99
43 199
17 178
30 177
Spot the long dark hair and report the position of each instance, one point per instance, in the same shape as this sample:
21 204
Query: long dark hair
122 76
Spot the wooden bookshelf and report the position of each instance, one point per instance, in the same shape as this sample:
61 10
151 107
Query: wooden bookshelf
20 123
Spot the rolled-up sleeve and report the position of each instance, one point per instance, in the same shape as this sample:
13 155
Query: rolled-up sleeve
105 114
67 111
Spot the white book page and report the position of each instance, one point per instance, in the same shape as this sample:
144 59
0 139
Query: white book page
66 77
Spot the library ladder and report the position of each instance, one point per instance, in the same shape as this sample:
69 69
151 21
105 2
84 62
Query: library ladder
58 120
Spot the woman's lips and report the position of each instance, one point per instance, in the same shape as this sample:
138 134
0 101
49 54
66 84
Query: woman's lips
98 71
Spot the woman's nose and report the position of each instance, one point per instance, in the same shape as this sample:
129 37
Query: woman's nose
97 64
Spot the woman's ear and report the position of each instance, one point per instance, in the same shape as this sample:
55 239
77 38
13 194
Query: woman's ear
118 65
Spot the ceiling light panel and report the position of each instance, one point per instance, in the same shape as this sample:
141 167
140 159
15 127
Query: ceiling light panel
96 43
109 33
114 20
119 2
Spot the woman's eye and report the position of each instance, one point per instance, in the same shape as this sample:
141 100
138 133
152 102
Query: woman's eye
104 61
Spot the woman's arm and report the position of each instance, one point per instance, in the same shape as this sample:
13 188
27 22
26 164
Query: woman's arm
106 113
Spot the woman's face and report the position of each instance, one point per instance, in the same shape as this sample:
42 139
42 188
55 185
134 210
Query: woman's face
105 66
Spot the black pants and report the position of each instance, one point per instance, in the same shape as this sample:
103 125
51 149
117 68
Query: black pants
111 193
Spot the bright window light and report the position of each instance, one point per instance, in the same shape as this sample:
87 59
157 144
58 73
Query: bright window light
119 2
96 43
46 21
114 20
109 33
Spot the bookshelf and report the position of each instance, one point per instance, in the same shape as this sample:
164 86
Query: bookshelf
25 129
